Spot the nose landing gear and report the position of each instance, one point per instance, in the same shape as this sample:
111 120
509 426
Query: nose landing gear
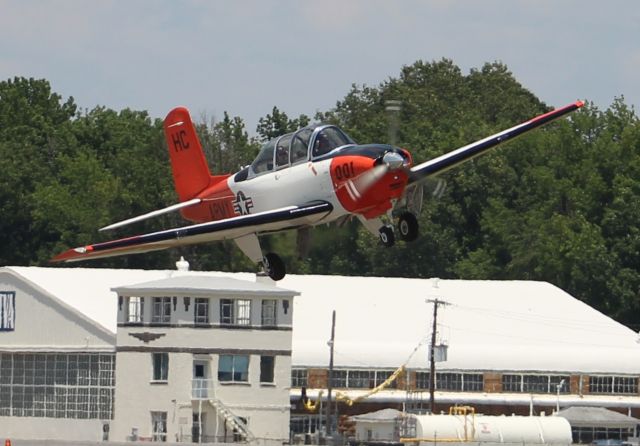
387 237
407 228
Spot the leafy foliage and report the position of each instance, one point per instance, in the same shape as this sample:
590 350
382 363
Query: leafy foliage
561 204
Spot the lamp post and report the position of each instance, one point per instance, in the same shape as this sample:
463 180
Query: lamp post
558 388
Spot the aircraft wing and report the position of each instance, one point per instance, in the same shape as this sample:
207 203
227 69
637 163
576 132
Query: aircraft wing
455 157
231 228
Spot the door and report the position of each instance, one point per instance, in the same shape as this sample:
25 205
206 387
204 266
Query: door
200 379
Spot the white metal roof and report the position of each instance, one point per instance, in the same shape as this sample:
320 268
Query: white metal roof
89 290
597 416
490 325
382 322
203 284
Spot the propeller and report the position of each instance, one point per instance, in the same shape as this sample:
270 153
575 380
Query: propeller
363 182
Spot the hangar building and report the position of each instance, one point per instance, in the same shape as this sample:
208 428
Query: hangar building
187 356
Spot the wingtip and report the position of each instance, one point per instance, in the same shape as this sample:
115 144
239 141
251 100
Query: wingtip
72 254
579 103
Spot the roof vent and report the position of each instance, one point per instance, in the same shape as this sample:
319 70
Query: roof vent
182 264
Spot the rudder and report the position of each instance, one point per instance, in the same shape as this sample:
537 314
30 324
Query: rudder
190 170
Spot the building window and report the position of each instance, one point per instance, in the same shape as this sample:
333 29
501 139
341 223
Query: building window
226 311
135 310
339 379
382 376
201 310
512 383
269 308
535 383
460 382
160 366
235 311
7 310
299 377
244 312
77 386
473 382
161 310
267 364
422 380
233 368
449 381
613 384
361 379
159 426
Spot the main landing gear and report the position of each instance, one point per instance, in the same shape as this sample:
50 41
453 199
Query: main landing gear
271 263
408 226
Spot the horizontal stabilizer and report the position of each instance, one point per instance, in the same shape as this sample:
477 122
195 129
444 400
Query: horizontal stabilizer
172 208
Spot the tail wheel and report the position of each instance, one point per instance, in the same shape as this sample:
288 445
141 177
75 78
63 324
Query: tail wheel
274 266
386 236
408 227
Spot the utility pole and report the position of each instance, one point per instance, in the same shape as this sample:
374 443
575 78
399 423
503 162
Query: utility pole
330 377
432 360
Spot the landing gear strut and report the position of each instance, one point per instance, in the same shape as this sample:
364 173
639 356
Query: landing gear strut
408 226
273 266
271 263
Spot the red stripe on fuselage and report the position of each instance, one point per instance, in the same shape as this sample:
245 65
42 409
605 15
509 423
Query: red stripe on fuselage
217 204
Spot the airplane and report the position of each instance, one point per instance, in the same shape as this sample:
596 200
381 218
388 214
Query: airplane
315 175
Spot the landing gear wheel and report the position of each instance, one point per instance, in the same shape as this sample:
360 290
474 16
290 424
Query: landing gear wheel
386 236
408 227
274 266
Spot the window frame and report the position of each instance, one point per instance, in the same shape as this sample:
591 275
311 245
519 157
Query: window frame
237 372
235 312
269 313
201 303
159 419
161 310
299 377
137 304
267 369
7 310
160 367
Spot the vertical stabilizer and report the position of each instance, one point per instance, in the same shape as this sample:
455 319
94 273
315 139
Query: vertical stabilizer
190 171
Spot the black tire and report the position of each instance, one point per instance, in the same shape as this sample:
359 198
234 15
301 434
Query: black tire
408 227
274 266
387 238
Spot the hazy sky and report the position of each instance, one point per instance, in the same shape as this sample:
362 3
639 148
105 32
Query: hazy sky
302 56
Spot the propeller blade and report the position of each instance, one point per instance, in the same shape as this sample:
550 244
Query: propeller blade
365 180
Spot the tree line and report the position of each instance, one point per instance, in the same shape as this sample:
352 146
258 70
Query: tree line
561 204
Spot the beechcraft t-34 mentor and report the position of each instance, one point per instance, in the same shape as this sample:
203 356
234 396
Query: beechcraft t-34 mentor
313 176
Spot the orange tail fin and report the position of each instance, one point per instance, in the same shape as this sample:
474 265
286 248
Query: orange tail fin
190 170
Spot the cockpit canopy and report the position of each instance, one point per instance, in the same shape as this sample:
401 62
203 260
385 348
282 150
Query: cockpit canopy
308 143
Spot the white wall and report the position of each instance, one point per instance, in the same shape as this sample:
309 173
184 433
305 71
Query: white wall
31 428
45 323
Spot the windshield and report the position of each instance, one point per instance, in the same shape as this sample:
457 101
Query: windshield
328 139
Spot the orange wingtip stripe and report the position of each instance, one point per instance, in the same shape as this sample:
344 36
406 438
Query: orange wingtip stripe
71 254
